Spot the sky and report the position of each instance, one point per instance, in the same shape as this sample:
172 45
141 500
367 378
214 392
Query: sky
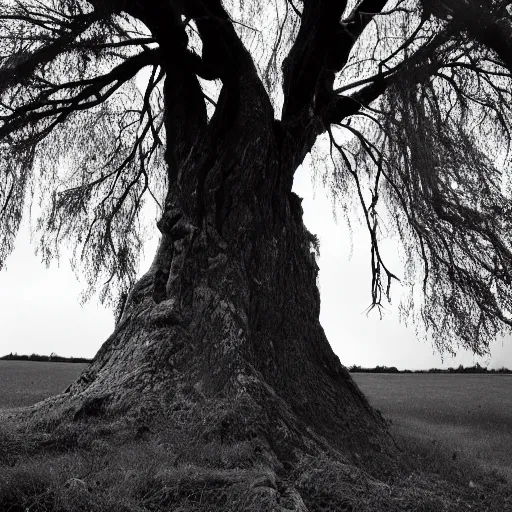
40 310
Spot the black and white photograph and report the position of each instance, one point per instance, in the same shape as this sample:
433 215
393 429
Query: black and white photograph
255 255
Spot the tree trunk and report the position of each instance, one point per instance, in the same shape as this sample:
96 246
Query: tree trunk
220 340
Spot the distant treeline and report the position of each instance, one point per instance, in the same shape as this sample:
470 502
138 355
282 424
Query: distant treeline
460 369
52 358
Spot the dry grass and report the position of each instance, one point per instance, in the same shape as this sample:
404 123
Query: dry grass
102 471
98 467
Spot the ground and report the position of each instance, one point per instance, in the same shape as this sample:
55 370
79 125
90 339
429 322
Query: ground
96 465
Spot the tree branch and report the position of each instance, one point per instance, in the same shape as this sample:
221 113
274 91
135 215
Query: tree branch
27 63
322 48
487 24
44 107
224 56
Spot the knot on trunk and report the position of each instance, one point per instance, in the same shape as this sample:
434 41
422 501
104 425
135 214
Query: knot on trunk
177 227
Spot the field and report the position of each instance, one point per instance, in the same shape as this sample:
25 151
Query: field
449 428
25 382
469 415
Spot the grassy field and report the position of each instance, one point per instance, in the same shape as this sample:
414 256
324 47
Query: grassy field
25 383
470 415
441 422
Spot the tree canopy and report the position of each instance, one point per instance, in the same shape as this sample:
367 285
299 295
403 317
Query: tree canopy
406 104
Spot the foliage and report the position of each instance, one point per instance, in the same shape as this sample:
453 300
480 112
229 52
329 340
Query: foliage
77 134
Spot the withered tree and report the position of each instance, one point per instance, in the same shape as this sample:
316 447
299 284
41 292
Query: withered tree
204 110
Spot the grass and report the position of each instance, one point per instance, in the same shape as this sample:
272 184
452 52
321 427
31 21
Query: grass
25 383
100 472
470 415
93 466
134 476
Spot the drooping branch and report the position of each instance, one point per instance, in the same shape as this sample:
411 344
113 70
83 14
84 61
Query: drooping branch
103 194
58 62
370 213
444 186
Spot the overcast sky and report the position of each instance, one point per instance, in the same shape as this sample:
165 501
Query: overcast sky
40 310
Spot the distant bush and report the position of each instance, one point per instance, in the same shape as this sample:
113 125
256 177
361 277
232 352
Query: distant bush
52 358
460 369
377 369
476 369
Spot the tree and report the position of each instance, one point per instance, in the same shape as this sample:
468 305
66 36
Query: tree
205 109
